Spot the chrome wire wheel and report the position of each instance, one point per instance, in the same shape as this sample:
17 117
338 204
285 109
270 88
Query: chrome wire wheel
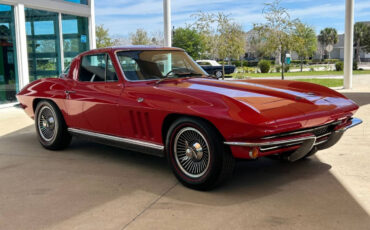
191 151
47 124
218 74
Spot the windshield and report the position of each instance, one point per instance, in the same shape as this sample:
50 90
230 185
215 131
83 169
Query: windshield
157 64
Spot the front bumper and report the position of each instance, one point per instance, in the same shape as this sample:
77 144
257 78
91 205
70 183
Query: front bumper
298 143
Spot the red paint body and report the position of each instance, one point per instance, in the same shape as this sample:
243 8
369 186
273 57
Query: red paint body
242 110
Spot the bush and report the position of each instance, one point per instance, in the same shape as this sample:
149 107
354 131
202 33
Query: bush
264 66
238 63
298 62
355 65
331 61
277 69
251 63
286 68
247 69
316 61
339 66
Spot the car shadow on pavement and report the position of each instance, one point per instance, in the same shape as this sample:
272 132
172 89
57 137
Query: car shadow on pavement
47 188
361 99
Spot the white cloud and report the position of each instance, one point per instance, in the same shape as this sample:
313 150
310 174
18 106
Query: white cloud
125 16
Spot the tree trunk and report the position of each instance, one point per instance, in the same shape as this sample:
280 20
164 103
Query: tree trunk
223 70
241 64
282 66
358 54
301 64
278 59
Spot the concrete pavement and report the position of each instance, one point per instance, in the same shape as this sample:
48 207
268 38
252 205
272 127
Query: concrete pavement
92 186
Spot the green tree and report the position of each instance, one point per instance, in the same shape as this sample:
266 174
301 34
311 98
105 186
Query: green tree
204 24
277 31
222 37
305 41
231 39
328 36
255 44
102 37
361 32
190 40
140 37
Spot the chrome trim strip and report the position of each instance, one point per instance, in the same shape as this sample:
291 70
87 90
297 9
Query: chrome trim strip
264 149
321 142
324 135
117 139
269 143
308 130
354 122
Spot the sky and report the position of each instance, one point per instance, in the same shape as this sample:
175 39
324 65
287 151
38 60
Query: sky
123 17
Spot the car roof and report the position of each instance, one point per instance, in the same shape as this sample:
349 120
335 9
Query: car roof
212 62
131 48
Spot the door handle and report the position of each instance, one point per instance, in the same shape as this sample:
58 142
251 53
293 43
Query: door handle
69 91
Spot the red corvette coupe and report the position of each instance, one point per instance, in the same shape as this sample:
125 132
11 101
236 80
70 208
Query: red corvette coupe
159 101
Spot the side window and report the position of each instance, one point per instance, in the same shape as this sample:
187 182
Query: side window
111 72
93 68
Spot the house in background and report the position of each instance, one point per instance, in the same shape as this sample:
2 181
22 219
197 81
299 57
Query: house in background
253 47
338 50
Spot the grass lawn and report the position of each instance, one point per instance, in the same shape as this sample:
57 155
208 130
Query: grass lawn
324 82
292 74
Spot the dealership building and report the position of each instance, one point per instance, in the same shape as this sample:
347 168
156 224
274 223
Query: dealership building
39 38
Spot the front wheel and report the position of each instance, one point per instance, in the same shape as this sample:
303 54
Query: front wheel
50 126
197 154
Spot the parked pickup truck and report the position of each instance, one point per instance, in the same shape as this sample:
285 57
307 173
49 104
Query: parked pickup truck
215 68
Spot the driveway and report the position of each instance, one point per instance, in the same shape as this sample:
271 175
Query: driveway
91 186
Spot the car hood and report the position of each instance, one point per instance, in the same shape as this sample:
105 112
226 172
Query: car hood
279 101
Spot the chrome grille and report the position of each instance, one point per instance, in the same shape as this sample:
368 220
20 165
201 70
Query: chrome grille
321 133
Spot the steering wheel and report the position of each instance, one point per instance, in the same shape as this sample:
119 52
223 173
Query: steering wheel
168 74
174 70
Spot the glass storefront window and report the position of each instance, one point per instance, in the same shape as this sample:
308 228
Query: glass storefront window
42 29
84 2
8 73
75 36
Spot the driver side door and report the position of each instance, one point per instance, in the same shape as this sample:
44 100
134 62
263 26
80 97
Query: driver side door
92 102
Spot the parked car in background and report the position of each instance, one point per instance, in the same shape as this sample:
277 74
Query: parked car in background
159 101
215 68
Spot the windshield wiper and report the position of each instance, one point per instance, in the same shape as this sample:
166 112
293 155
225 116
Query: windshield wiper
180 74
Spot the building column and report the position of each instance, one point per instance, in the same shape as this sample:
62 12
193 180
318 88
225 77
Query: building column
61 41
348 45
167 23
21 45
92 37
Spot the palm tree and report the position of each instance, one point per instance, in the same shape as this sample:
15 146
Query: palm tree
361 32
328 36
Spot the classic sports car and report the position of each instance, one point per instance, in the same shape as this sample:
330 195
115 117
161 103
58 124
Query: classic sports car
215 68
159 101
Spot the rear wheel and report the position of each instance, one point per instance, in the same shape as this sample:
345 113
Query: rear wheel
197 154
50 126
